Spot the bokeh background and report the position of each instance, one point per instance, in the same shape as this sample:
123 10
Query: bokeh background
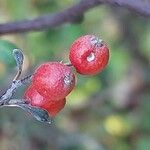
109 111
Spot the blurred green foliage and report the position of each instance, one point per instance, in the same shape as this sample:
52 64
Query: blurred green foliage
109 111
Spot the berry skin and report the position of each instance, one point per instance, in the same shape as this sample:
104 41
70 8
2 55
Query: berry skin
89 55
55 106
54 80
35 99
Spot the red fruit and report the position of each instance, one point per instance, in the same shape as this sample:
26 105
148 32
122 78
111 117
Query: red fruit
55 106
89 55
35 99
54 80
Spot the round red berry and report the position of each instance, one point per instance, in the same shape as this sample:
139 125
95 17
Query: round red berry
54 80
55 106
35 99
89 55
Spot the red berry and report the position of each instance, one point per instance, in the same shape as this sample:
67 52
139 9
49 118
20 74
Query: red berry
89 55
55 106
54 80
35 99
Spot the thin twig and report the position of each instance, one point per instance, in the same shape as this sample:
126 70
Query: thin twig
71 15
7 100
68 64
17 75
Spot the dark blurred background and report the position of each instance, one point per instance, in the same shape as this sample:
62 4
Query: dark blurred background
109 111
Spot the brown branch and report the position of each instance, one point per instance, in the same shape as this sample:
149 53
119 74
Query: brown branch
71 15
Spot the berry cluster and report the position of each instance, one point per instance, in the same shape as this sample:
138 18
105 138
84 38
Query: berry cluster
53 81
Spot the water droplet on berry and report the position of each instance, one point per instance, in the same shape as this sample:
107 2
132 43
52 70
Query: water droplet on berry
91 57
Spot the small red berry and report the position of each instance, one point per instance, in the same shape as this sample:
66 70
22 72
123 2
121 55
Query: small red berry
35 99
55 106
89 55
54 80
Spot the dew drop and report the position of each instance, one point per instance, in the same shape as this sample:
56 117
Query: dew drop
91 57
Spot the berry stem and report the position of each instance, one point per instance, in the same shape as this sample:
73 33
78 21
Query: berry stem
68 64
